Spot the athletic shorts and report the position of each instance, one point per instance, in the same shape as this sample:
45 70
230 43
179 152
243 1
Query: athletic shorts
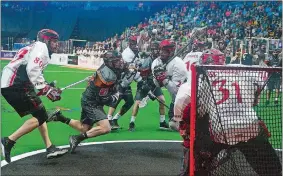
23 100
91 113
140 94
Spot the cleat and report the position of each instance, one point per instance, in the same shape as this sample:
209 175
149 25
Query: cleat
74 142
164 126
7 146
54 116
115 125
132 127
54 152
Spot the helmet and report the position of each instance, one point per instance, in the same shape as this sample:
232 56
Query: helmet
167 49
113 59
154 47
133 43
46 36
197 46
213 57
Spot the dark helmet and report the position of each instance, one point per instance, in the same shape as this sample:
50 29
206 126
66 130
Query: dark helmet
46 36
154 48
113 59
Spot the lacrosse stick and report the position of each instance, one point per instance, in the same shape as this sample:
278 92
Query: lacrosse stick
75 83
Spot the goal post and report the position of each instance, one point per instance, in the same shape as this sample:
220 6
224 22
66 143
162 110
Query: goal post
233 130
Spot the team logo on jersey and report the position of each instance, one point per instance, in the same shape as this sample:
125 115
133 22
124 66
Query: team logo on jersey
103 91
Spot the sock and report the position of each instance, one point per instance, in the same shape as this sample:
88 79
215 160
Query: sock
64 119
82 136
11 141
162 118
109 117
117 116
133 119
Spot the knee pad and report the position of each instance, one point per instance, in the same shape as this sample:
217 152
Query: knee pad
41 115
128 104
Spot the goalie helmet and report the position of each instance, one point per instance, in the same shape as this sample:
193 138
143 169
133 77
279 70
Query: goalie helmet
50 38
113 60
213 57
167 49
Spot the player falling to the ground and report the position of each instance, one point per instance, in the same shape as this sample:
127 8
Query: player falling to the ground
20 81
147 85
171 76
131 56
228 121
100 92
276 78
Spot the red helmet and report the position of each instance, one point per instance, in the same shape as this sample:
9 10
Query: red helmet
213 57
46 36
167 49
167 45
133 39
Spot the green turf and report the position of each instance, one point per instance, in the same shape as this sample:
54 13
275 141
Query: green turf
147 122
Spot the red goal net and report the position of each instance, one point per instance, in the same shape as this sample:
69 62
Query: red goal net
236 121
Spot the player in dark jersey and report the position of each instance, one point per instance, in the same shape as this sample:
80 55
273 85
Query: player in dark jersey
101 91
147 87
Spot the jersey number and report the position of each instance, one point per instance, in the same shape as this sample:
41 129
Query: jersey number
20 54
226 92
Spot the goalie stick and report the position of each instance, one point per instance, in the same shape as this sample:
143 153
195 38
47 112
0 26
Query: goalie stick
75 83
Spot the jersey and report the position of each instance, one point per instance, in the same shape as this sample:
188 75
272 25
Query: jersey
99 96
231 106
27 66
176 72
191 58
129 76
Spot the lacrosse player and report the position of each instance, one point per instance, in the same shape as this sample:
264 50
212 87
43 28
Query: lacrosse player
131 56
147 85
22 83
236 125
171 76
101 91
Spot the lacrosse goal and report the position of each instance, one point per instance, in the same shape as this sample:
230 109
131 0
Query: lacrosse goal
233 130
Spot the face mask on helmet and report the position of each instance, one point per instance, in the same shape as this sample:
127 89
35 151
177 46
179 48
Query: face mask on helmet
167 49
133 43
213 57
113 59
155 51
50 38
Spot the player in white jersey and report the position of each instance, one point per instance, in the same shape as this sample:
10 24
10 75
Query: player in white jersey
229 120
171 77
130 55
19 80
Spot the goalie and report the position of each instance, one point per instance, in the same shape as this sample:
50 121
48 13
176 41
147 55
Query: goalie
225 122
